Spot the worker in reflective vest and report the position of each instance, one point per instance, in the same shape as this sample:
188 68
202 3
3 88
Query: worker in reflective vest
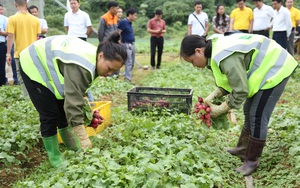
247 68
57 72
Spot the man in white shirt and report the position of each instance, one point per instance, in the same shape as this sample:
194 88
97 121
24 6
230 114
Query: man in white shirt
262 18
77 22
44 26
282 24
198 21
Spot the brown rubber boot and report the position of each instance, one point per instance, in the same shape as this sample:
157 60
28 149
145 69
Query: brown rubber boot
84 140
254 151
241 147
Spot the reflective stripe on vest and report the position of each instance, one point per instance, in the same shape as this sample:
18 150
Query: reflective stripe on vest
279 63
269 65
40 68
260 56
56 77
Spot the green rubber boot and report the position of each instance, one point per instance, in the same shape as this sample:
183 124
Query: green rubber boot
52 149
69 138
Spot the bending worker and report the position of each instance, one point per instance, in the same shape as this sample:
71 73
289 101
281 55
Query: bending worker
57 72
246 67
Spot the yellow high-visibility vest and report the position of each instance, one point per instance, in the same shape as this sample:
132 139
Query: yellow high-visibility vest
39 61
269 65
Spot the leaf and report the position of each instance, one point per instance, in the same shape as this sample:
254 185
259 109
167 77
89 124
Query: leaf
294 151
220 122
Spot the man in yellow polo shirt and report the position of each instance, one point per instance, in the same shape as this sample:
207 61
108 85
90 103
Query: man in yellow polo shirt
241 18
295 18
23 29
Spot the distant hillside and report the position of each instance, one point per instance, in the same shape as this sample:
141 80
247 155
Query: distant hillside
10 9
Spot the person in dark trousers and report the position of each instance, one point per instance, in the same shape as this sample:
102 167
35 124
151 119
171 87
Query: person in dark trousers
251 70
127 36
57 87
281 23
3 48
157 28
262 15
4 33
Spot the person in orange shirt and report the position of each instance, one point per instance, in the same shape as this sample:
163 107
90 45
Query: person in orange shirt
241 18
108 22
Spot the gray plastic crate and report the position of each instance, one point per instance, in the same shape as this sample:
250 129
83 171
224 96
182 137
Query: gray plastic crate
177 100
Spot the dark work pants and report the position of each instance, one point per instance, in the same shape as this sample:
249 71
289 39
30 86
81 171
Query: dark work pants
258 109
262 32
3 50
159 43
281 38
290 43
50 109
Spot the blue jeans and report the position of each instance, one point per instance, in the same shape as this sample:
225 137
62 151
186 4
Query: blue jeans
13 66
90 96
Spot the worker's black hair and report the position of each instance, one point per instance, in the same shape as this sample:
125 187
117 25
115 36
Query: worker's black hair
112 49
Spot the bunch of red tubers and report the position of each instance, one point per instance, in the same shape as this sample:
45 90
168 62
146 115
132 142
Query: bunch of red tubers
160 103
97 119
203 111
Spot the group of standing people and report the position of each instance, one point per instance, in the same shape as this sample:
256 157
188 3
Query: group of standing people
112 22
19 36
8 31
282 20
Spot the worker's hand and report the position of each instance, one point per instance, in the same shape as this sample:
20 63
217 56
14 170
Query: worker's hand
215 94
84 140
217 110
8 59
